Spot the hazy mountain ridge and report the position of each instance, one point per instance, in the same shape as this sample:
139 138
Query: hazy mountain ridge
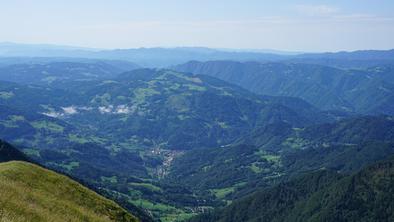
148 57
164 57
355 55
365 91
59 74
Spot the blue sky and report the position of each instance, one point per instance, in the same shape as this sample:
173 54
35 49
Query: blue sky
259 24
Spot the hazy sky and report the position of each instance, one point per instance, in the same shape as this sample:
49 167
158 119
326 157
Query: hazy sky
308 25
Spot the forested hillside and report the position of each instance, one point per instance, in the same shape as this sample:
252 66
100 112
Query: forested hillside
319 196
367 91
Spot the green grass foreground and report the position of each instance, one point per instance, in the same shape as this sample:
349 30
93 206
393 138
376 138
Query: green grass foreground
30 193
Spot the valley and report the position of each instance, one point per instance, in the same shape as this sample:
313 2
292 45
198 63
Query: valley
169 145
197 111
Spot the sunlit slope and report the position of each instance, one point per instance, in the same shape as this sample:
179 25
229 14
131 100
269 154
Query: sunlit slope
32 193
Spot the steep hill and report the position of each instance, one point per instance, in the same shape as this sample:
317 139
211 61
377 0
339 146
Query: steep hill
364 91
31 193
320 196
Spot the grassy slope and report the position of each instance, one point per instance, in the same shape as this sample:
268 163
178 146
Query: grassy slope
31 193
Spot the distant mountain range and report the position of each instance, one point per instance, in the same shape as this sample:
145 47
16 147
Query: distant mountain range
164 57
59 74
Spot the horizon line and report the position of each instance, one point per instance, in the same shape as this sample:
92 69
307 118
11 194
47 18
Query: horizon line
250 50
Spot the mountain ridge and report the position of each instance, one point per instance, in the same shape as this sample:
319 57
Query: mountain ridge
153 57
325 87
